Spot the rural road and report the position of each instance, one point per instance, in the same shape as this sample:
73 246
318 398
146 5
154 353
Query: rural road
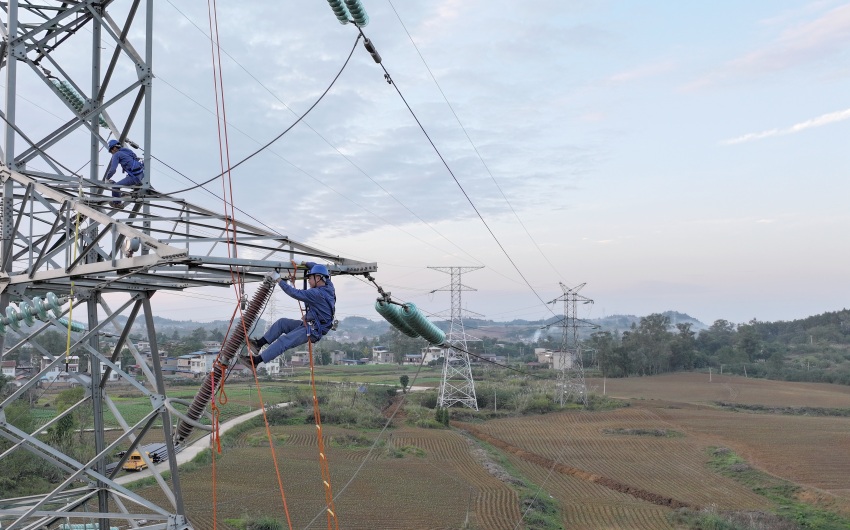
191 451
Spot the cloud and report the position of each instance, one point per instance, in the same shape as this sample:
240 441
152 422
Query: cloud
800 45
824 119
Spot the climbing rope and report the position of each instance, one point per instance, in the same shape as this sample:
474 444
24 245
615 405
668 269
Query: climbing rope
71 293
333 522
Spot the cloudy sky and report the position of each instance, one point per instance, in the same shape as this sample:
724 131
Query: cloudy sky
672 155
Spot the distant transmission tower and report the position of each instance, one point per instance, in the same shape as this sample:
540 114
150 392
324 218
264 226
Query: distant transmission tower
271 312
457 385
568 362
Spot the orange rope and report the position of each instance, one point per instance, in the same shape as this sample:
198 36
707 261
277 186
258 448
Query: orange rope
231 231
323 459
271 444
214 438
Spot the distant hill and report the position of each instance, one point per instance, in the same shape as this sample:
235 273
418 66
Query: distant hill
356 328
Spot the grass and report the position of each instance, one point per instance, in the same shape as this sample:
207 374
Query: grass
790 411
659 433
783 494
539 511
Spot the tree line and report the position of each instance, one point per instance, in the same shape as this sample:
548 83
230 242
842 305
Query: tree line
812 349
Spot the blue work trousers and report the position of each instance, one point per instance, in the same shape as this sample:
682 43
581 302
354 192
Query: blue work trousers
284 334
129 180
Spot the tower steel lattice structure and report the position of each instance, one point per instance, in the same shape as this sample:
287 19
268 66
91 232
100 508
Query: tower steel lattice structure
570 382
457 385
64 249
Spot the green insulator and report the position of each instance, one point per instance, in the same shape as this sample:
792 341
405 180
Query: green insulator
358 12
75 326
53 301
75 99
27 313
39 306
414 318
339 10
392 314
12 318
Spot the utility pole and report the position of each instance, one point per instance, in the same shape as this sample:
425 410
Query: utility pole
569 364
456 385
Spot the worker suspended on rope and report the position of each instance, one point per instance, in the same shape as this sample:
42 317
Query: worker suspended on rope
286 333
130 164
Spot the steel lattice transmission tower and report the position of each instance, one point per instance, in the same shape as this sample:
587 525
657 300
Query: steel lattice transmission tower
457 385
569 363
62 243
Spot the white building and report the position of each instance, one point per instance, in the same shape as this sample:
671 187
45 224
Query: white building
556 359
381 355
8 368
73 365
113 375
201 362
432 353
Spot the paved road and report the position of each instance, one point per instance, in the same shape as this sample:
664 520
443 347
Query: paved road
191 451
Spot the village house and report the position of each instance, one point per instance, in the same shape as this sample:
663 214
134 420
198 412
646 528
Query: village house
8 368
381 355
554 359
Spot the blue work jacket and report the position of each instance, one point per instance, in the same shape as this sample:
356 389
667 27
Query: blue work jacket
320 302
128 161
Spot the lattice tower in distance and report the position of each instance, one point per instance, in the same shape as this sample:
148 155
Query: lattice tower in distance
457 385
568 361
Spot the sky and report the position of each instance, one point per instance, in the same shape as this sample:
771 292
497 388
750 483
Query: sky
685 156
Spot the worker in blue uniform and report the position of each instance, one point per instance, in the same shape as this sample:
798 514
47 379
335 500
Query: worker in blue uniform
130 164
286 333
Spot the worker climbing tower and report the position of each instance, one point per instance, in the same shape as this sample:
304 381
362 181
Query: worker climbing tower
457 385
568 361
72 263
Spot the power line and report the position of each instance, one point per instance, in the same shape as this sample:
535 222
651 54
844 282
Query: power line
343 155
276 138
465 132
392 82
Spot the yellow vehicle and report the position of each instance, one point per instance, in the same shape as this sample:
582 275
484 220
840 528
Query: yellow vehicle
135 462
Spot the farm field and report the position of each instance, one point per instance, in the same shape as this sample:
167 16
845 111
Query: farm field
695 388
607 475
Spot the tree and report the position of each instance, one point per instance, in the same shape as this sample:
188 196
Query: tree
748 341
604 343
649 344
720 334
199 334
404 380
775 364
61 432
683 348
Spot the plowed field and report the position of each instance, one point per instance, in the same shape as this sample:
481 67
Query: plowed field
609 472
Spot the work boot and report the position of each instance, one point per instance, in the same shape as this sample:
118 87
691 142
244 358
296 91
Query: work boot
253 346
250 360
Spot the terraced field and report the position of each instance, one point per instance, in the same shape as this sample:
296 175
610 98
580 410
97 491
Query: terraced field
616 469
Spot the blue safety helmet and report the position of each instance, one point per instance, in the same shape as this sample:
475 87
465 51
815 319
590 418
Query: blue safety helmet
111 144
321 270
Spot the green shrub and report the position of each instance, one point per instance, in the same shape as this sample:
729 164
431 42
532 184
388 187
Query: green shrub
264 523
